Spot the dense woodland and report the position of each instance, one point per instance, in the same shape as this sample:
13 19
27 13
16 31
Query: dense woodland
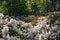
24 7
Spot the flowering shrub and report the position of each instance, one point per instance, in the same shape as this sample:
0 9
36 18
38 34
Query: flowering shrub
28 31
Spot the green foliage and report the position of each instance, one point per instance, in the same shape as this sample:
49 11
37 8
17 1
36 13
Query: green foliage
42 37
19 25
31 19
3 8
24 7
0 32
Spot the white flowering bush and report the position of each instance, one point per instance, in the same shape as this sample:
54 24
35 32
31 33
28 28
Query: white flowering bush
22 30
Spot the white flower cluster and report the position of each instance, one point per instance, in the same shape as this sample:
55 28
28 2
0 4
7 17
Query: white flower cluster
28 32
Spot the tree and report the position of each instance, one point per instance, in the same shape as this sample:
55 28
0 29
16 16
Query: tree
24 7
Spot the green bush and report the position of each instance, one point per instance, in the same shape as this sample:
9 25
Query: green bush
31 19
22 7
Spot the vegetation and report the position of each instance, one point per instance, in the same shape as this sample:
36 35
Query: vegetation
31 19
23 21
54 17
24 7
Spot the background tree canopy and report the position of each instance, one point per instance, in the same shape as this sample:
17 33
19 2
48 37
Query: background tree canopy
24 7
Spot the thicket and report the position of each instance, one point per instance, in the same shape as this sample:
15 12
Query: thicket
24 7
